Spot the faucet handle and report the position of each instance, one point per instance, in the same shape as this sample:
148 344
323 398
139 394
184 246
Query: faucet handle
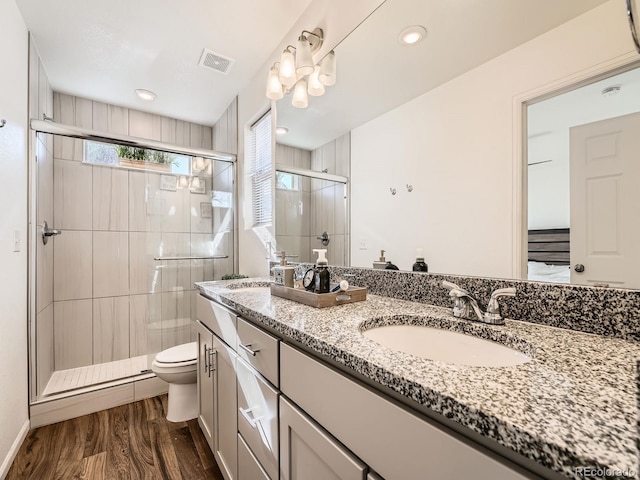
454 288
492 315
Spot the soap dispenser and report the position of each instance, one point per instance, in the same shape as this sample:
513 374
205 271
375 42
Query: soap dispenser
381 263
420 265
321 284
283 274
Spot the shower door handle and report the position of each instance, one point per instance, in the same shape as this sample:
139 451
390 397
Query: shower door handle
48 232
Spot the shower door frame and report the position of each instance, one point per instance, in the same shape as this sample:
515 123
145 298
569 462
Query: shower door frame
50 127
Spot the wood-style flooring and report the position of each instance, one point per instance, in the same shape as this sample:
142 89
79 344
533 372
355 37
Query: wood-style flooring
129 442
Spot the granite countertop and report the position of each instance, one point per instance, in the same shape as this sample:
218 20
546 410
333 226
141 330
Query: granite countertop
574 405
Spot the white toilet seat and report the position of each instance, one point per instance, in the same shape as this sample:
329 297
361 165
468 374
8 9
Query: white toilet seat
185 353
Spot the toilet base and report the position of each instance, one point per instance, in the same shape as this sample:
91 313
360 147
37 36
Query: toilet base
183 402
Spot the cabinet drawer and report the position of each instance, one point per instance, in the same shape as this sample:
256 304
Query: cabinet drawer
220 320
248 466
258 417
360 419
259 349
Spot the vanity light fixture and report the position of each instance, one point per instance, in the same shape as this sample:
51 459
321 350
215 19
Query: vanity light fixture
146 95
412 35
198 164
183 181
282 130
296 71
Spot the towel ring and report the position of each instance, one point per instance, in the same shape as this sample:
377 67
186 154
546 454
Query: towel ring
3 122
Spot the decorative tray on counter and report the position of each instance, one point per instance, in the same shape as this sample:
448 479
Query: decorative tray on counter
320 300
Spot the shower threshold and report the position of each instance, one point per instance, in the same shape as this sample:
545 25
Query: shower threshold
82 377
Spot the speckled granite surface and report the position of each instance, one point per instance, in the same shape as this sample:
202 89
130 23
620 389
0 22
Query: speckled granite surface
573 406
604 311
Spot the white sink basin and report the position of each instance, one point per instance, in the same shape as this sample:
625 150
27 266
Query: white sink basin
445 346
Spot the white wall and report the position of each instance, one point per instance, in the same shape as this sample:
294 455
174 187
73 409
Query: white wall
337 18
455 145
13 216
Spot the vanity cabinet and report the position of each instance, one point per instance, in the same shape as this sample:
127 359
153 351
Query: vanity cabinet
308 452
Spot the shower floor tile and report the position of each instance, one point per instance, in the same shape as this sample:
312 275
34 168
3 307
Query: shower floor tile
80 377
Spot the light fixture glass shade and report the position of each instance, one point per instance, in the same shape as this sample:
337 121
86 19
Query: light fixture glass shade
300 98
328 69
195 183
304 59
287 73
183 182
198 164
315 87
274 87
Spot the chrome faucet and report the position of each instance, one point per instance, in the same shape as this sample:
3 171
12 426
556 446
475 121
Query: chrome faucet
465 306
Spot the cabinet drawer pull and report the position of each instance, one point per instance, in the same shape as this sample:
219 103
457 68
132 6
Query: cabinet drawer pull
245 413
248 350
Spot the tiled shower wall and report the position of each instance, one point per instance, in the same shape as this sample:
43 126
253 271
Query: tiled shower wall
111 300
319 205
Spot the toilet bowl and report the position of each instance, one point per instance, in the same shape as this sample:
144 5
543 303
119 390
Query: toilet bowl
178 367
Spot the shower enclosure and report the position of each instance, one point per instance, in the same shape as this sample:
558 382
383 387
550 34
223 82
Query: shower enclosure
130 227
311 213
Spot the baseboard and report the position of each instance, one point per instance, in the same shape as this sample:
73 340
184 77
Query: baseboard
13 451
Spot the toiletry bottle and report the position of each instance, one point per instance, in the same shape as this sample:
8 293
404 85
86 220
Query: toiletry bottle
420 265
322 272
390 266
283 274
381 263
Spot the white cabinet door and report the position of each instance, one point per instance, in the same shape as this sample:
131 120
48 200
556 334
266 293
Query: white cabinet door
307 452
225 409
205 383
248 466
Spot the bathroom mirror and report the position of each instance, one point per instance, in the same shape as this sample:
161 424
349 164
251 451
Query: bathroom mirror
434 123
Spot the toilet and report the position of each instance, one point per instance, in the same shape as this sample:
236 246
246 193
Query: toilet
178 367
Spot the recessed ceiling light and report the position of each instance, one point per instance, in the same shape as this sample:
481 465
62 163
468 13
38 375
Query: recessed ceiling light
282 130
412 35
147 95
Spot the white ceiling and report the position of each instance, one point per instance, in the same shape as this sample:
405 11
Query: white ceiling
375 73
104 50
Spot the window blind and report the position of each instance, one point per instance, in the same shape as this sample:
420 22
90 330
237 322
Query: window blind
260 154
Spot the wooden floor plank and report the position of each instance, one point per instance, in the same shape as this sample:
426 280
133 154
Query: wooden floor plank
72 438
153 407
164 455
93 467
188 458
97 433
204 452
118 450
141 459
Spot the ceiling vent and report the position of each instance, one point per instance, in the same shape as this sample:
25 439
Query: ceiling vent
215 61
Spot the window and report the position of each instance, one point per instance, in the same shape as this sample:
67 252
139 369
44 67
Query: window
98 153
260 168
287 181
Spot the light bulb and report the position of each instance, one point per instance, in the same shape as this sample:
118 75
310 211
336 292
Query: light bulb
328 69
198 164
274 87
304 59
315 87
300 98
287 73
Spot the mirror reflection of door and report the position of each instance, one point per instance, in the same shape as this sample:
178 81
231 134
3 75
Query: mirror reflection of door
581 210
605 202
